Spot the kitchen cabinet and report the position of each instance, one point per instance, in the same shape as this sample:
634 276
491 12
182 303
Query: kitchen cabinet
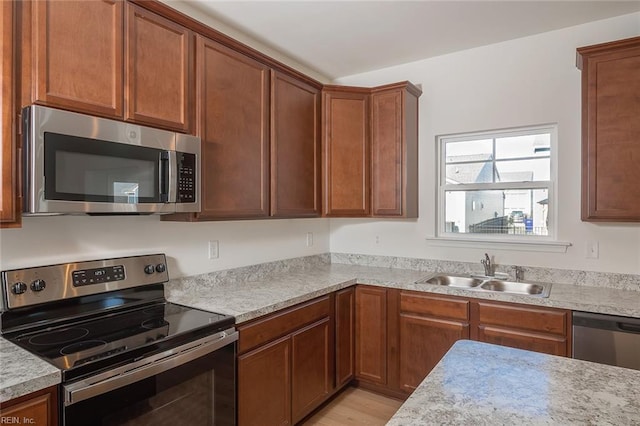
233 113
610 131
535 329
78 56
286 363
394 151
345 336
38 408
159 70
346 151
295 147
370 150
371 334
9 192
429 326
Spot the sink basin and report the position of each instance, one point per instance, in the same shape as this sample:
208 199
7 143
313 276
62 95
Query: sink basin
452 281
489 285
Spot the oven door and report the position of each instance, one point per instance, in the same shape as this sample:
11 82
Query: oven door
190 385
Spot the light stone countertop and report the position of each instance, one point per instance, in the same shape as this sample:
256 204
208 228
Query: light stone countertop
250 293
22 373
483 384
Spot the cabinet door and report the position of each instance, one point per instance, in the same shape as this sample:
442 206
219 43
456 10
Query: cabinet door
39 408
346 153
295 147
345 337
264 385
423 342
233 109
78 54
159 71
394 152
611 131
311 367
371 334
9 202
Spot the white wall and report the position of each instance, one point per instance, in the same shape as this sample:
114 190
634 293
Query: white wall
527 81
49 240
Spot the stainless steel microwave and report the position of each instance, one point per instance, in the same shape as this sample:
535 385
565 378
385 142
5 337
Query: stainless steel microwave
75 164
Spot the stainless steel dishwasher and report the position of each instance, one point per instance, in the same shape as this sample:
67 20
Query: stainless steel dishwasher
607 339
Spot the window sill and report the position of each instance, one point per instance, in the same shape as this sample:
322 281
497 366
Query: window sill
540 246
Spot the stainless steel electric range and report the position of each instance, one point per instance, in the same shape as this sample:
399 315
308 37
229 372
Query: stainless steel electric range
127 355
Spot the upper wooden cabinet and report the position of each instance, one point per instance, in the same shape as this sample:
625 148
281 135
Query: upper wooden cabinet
74 58
9 191
295 147
159 66
370 150
346 151
611 131
77 55
233 111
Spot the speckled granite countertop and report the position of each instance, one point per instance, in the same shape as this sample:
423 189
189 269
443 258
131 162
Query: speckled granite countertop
248 293
482 384
256 295
22 373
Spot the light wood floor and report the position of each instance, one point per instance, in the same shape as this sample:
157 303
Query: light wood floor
355 406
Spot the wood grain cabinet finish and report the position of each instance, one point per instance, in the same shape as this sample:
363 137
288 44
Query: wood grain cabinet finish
39 408
295 147
394 151
159 71
77 55
538 329
345 336
371 334
286 364
9 192
346 151
429 326
233 110
611 131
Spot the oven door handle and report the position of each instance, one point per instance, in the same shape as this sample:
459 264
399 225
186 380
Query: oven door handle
146 367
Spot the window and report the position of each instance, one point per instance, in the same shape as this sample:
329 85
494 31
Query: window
497 185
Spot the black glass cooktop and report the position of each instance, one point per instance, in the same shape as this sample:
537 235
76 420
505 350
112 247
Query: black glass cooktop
117 337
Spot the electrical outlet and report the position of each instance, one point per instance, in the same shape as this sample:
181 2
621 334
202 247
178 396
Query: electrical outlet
309 239
377 239
214 250
593 249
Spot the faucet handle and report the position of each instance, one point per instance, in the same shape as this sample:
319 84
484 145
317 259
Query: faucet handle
519 273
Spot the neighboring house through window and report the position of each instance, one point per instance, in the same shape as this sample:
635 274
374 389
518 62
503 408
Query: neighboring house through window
498 184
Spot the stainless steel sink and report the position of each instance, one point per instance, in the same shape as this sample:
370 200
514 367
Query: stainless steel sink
490 285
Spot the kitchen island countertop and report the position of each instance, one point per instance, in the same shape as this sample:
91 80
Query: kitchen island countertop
483 384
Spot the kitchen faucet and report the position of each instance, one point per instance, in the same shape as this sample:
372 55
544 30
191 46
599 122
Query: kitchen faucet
488 267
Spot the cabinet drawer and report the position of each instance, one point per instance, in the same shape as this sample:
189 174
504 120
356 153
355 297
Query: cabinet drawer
542 320
265 329
544 343
437 306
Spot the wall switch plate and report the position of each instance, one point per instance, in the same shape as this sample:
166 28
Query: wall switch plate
309 239
593 250
214 251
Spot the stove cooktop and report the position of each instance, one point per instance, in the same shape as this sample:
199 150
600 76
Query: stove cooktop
120 336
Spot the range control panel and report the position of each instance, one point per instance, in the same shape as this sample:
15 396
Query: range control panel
98 275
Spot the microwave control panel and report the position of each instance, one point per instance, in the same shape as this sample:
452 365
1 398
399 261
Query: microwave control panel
186 178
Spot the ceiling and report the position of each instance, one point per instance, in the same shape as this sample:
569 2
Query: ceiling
340 38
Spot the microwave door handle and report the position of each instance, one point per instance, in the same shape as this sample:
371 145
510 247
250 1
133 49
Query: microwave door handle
167 178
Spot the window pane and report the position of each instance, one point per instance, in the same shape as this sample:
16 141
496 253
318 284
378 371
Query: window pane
469 173
476 150
516 211
524 170
524 146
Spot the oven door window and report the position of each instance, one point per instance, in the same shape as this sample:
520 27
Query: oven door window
198 393
79 169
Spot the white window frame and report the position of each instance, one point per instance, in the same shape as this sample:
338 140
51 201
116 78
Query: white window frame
509 241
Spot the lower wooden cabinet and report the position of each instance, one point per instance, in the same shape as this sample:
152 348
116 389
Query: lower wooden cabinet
286 364
371 334
345 336
37 409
